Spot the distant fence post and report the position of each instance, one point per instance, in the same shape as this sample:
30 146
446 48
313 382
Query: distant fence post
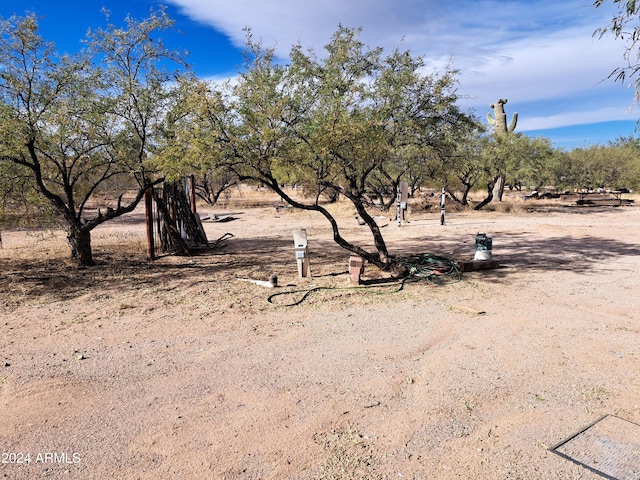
192 193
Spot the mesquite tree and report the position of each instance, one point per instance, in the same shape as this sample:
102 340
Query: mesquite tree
77 124
334 123
624 26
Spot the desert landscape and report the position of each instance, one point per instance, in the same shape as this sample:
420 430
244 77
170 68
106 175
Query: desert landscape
185 367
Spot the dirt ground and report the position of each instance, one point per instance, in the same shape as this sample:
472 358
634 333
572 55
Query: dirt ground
177 369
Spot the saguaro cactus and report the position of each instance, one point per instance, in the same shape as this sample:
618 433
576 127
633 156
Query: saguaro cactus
500 120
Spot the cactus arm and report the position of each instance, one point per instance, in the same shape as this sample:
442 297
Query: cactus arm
490 119
514 121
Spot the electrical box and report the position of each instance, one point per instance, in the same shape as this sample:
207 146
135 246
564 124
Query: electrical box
402 198
301 249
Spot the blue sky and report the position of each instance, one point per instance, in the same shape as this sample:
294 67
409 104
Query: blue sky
539 54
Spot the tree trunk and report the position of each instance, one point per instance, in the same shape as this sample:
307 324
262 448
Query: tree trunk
486 201
332 196
381 247
380 258
498 189
464 200
80 241
465 197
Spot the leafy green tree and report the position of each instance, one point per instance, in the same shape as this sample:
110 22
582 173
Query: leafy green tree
565 171
462 171
520 159
529 163
84 125
184 149
625 157
625 26
602 166
18 196
338 124
496 152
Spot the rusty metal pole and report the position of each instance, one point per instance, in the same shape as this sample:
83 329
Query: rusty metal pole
148 207
192 192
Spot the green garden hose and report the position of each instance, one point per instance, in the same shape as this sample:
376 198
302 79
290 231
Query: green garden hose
435 269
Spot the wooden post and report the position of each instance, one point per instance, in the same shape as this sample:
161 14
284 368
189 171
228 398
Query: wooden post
148 208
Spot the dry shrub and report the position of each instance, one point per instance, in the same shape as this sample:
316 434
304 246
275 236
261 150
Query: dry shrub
246 196
349 456
506 207
430 202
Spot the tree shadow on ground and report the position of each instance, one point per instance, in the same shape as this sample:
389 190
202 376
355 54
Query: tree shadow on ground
524 252
56 279
118 269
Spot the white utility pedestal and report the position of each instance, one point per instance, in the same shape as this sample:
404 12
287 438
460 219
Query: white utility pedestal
302 251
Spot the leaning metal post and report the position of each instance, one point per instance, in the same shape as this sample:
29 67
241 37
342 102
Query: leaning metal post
443 197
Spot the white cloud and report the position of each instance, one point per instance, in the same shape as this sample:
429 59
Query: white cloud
583 117
558 64
428 26
284 23
526 50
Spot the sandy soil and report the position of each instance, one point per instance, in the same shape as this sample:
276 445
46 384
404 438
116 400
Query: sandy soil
176 369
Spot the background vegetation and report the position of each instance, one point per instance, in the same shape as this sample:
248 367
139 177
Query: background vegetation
84 136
